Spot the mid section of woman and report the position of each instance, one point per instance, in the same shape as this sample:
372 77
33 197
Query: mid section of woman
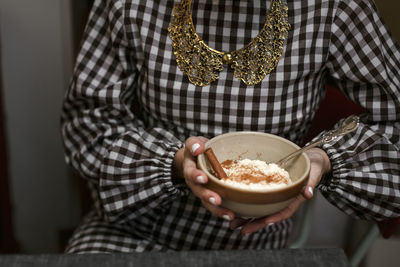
154 79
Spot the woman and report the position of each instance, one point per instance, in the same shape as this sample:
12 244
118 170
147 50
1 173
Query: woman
148 92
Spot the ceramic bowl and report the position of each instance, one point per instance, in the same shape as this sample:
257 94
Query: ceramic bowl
250 203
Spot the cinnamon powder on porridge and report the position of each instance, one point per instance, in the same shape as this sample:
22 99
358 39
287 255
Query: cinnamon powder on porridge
246 171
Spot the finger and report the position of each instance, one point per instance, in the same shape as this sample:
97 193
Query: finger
195 145
190 170
204 194
287 212
308 191
254 225
238 222
275 218
203 139
320 164
219 211
316 173
211 201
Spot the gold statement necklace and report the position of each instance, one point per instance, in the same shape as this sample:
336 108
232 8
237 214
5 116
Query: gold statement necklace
251 63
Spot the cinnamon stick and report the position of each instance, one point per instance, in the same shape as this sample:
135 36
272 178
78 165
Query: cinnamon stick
215 163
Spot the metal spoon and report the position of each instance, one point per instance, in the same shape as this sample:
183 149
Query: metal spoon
348 125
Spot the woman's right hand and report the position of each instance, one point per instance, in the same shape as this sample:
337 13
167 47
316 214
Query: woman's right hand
185 167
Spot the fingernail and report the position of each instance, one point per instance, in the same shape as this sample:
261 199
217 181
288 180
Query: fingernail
226 217
212 200
310 190
269 224
200 179
195 147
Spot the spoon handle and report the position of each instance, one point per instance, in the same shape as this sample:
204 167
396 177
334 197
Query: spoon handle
348 125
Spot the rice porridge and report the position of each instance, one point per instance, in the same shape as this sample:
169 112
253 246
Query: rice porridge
254 174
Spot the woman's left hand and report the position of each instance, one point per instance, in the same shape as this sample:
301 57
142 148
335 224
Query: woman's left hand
320 164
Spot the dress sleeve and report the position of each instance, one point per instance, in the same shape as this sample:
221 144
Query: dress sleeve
364 62
103 139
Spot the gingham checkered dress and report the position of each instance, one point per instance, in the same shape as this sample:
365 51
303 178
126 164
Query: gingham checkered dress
126 64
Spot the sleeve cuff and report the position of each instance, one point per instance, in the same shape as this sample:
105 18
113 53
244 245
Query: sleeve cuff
172 186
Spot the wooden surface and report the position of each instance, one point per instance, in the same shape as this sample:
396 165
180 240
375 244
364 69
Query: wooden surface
327 257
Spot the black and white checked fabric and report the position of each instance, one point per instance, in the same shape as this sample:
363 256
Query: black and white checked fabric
126 64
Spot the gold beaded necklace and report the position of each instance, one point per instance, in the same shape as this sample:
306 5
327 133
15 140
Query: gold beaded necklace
251 63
